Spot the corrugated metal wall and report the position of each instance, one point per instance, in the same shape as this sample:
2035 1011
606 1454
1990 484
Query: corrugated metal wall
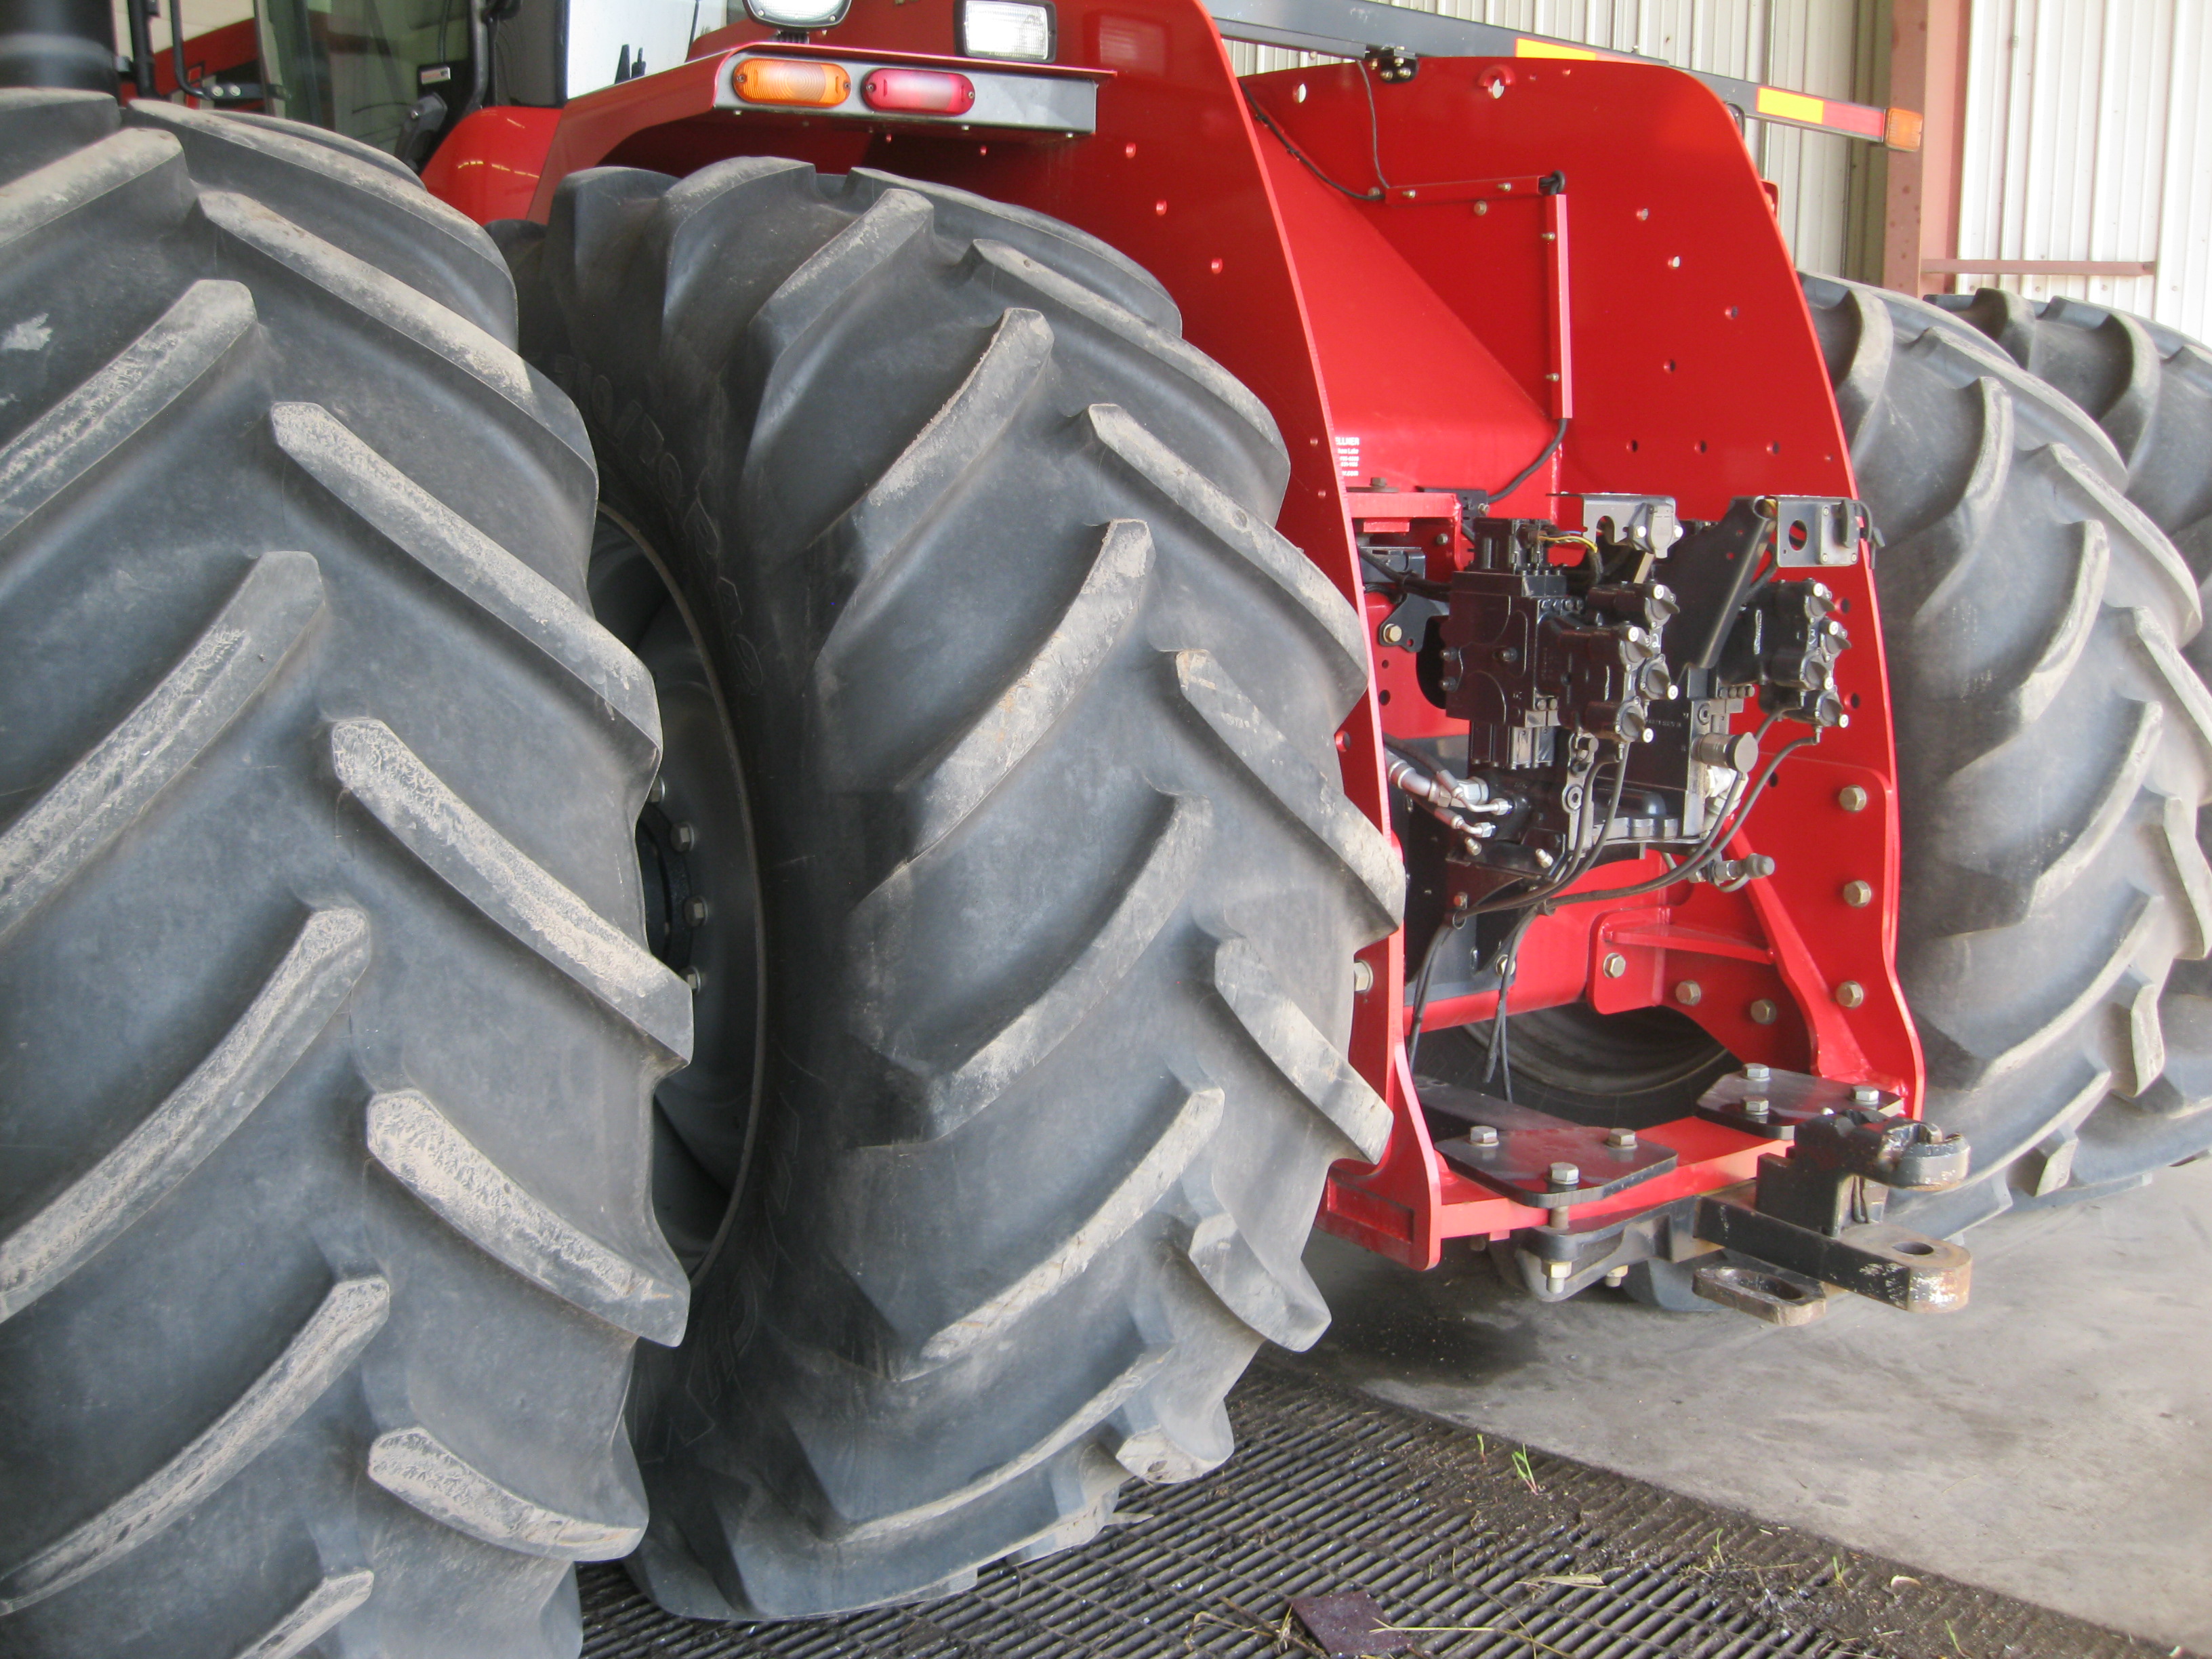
1831 186
2088 136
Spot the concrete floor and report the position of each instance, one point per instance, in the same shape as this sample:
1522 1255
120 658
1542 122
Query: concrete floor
2052 1441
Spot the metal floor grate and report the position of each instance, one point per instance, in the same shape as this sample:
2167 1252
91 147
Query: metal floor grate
1443 1527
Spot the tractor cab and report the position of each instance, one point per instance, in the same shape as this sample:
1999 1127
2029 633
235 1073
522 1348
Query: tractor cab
400 75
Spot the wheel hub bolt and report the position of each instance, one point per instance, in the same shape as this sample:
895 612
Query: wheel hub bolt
1482 1135
1565 1177
1621 1140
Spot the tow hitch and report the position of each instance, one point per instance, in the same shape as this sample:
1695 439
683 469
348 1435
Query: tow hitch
1810 1224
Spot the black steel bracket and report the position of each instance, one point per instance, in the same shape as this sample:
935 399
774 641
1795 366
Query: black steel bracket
1815 1213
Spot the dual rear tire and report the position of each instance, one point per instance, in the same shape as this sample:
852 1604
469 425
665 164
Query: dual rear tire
1035 714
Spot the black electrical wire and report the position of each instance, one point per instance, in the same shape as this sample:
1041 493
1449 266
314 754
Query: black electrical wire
1300 156
1374 126
1483 498
1421 989
1558 436
1722 833
1508 954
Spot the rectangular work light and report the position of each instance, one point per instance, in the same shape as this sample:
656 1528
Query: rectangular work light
1007 28
800 14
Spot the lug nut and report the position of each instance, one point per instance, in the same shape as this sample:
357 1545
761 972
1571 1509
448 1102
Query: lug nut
1362 977
1482 1135
1851 797
1866 1094
1858 894
1615 965
1565 1177
1689 993
682 837
1621 1140
1850 994
1755 1108
696 911
1763 1012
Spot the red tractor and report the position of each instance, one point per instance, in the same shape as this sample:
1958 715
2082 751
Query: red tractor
888 688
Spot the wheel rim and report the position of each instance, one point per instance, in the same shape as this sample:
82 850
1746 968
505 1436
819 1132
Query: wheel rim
701 891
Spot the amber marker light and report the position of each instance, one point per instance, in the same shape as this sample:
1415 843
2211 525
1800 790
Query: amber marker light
918 92
789 81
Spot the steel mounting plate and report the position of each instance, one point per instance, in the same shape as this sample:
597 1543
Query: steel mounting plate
1530 1142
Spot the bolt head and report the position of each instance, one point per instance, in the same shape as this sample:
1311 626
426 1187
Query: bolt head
1755 1106
695 912
1850 994
1565 1176
1615 964
1763 1012
1689 993
1362 977
692 977
1852 798
682 837
1482 1135
1392 634
1858 894
1558 1269
1459 900
1615 1278
1866 1095
1758 1072
1621 1140
657 791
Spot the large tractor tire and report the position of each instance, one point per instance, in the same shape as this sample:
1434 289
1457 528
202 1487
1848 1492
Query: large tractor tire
326 1038
1059 890
2149 387
2053 748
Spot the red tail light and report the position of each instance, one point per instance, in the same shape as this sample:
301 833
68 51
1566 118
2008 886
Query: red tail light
919 92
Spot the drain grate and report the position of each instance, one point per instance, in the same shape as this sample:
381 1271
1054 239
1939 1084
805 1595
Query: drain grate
1486 1548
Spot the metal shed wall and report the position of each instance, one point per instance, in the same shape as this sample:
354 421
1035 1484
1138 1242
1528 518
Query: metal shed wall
2088 138
1831 187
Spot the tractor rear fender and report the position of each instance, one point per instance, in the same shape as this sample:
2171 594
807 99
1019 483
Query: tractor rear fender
1377 261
